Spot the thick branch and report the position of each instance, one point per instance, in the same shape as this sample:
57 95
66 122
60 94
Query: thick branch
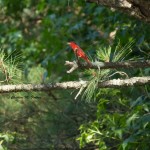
115 83
108 65
137 8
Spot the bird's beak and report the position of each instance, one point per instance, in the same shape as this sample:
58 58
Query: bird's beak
68 43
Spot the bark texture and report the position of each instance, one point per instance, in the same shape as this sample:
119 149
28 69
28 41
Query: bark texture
108 65
115 83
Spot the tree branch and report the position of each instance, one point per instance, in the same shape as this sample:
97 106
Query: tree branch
108 65
115 83
137 8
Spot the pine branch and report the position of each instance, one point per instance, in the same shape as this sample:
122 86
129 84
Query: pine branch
108 65
115 83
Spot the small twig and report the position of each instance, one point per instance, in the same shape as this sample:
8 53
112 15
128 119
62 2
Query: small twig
27 97
73 66
119 72
52 95
80 91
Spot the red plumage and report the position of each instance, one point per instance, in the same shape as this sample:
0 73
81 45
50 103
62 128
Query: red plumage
79 52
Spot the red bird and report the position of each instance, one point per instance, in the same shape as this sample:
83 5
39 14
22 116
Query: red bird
79 52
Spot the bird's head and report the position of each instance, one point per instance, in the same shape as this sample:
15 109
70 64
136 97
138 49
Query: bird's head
72 44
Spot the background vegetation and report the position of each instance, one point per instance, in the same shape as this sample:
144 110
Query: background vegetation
33 40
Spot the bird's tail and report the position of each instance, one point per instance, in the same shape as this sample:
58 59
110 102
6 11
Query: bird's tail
88 61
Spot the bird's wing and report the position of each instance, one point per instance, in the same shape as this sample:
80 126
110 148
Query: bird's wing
80 52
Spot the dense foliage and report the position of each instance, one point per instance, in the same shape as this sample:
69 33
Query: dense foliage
33 40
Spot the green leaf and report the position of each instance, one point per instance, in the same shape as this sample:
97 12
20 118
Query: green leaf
131 119
127 141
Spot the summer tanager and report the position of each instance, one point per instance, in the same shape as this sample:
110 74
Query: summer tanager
79 52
